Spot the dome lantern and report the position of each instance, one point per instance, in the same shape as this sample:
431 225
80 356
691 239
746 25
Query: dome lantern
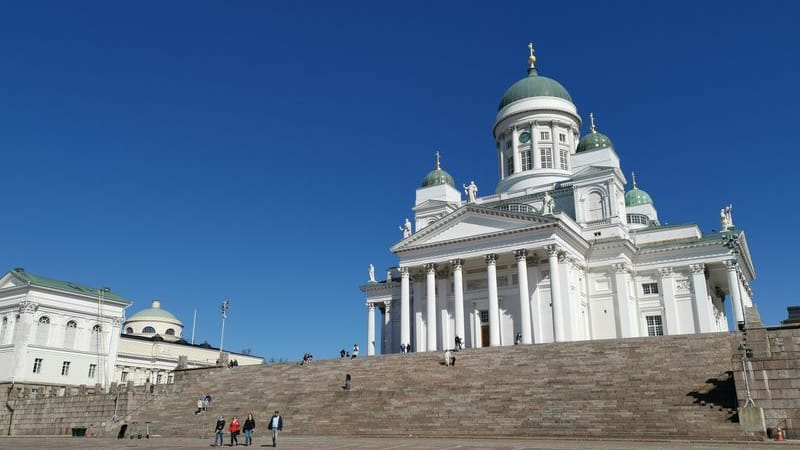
438 175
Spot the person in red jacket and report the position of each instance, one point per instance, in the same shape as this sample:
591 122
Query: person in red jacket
234 429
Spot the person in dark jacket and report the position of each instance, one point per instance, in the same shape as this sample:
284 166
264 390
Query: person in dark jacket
219 432
275 424
249 426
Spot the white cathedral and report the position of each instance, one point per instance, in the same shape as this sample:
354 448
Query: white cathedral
559 252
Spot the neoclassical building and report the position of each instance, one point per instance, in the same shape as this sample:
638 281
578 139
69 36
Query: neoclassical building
559 252
57 333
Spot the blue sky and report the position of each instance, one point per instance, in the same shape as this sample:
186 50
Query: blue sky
266 152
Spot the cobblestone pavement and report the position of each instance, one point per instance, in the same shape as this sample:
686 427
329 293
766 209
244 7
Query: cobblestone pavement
342 443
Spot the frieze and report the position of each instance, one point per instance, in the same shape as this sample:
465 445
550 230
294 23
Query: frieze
683 285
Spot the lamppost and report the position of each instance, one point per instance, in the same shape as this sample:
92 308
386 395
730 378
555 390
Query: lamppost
747 353
225 307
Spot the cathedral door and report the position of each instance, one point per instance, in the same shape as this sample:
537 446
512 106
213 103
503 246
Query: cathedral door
485 335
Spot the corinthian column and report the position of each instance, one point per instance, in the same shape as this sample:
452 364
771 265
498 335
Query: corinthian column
370 329
22 338
555 293
405 307
430 319
386 334
458 293
701 303
494 306
733 288
524 299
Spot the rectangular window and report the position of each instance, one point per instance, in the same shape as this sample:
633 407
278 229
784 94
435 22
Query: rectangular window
562 137
65 368
484 316
526 161
650 288
124 377
654 326
563 158
37 365
544 135
92 370
158 379
547 157
510 166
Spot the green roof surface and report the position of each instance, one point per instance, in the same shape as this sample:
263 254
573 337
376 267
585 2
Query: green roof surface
157 313
593 141
67 286
637 196
436 177
533 85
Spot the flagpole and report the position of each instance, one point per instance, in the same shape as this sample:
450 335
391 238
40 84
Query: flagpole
194 320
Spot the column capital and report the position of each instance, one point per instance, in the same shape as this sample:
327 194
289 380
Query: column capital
731 264
28 306
116 322
491 259
521 254
403 272
699 268
665 272
457 264
388 305
370 306
563 257
430 267
552 250
621 267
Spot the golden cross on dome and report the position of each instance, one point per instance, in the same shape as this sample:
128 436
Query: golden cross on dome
438 164
591 120
531 59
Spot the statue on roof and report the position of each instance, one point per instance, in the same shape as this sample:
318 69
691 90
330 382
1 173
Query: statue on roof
548 204
471 191
725 219
406 228
371 273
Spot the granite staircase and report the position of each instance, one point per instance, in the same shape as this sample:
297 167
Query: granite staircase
671 387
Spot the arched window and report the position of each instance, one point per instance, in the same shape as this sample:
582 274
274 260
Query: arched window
149 330
594 207
96 342
129 330
170 332
43 330
70 333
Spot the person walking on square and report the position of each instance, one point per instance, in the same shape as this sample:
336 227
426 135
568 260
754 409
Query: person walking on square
275 424
249 426
234 429
219 432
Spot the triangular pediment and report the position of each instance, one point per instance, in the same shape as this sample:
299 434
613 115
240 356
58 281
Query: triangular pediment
9 280
470 222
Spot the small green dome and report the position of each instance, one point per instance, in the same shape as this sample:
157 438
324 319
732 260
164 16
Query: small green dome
593 141
436 177
155 313
534 85
637 196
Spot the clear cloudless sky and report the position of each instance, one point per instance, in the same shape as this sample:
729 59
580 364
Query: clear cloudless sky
266 152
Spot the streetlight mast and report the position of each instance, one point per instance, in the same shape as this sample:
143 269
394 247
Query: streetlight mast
225 307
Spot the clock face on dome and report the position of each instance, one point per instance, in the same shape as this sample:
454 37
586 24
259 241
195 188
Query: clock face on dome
525 137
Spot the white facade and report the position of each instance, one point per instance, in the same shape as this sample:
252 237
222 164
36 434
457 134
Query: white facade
60 333
54 332
560 252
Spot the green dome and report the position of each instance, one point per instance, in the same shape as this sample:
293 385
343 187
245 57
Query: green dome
637 196
534 85
155 314
594 141
436 177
